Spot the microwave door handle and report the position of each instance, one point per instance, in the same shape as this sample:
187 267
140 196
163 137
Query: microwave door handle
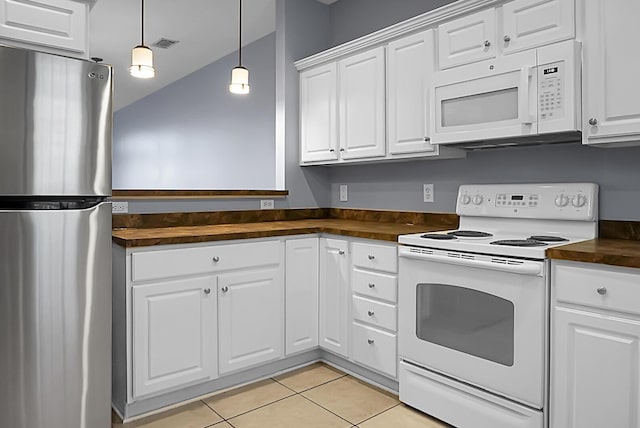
524 111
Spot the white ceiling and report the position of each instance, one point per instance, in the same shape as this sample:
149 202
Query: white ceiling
207 31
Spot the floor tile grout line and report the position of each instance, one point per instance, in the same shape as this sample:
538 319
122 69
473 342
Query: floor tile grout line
213 410
322 407
259 407
378 414
308 389
280 383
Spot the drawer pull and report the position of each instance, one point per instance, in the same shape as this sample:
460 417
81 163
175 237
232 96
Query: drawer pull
370 313
341 252
207 291
370 341
225 289
216 259
371 285
602 291
371 257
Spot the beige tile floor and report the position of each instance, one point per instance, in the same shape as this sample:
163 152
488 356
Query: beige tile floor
317 396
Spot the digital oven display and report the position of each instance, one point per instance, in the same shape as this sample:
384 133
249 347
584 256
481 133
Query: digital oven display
517 197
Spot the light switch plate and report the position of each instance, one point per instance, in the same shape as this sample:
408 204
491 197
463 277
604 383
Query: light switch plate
344 193
427 191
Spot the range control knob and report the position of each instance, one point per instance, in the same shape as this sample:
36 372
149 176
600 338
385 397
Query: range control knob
465 199
477 199
562 200
579 200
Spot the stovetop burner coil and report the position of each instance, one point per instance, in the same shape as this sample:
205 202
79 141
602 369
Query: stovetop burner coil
470 234
520 243
548 238
438 236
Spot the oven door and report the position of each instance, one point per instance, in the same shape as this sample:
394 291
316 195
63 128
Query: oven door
489 100
479 319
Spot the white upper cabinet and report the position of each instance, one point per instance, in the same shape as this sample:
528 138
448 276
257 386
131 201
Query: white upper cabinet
531 23
318 114
411 62
56 26
611 87
361 84
467 39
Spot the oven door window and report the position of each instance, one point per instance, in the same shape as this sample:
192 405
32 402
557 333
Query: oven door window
466 320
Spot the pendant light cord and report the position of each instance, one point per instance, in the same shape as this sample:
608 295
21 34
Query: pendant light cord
240 36
142 23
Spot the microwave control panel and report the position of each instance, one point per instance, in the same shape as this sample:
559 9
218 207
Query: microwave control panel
551 90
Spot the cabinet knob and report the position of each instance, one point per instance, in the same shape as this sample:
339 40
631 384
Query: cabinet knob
487 43
207 291
332 150
341 252
427 139
371 285
225 289
593 121
507 39
602 291
371 257
342 150
216 259
370 313
370 341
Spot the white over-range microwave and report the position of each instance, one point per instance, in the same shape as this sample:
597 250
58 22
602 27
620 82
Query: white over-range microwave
523 98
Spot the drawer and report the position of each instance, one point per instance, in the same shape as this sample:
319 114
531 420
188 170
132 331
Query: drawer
374 348
377 257
376 285
379 314
150 265
579 284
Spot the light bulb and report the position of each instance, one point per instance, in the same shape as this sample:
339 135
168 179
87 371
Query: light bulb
142 63
239 81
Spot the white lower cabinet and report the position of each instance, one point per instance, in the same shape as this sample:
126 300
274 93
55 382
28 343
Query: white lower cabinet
301 294
334 295
250 313
174 334
595 348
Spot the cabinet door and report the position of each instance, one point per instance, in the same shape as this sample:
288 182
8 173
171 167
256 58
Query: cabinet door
468 39
409 68
594 370
174 334
362 105
532 23
611 87
50 23
334 295
318 116
251 317
301 291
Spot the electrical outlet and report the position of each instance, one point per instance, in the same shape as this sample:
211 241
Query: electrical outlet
344 193
428 192
119 207
266 204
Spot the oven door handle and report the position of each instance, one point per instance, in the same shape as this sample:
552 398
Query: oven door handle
522 267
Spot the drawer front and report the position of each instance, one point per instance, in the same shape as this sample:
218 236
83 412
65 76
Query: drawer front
193 261
379 314
376 285
374 348
378 257
601 287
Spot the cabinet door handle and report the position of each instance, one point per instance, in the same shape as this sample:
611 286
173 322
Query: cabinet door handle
487 43
371 285
370 341
371 257
593 121
370 313
207 291
225 289
216 259
507 39
341 252
332 150
602 291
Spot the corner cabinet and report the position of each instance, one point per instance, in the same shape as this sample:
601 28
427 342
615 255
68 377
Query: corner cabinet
611 87
54 26
595 346
334 295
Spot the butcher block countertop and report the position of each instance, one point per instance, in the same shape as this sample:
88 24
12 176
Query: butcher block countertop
379 225
616 252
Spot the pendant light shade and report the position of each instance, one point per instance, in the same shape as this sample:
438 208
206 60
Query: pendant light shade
239 75
141 55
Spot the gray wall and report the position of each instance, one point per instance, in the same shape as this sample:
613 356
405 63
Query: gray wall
194 134
351 19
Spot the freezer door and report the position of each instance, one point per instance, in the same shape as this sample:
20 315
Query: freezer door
55 125
55 318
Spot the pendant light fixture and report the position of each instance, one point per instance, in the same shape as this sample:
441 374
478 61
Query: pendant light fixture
141 55
239 75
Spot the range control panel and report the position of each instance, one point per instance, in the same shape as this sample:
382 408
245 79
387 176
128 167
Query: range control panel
559 201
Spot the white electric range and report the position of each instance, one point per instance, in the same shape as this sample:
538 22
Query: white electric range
474 303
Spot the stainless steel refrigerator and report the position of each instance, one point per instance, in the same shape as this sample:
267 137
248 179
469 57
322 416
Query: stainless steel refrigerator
55 241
